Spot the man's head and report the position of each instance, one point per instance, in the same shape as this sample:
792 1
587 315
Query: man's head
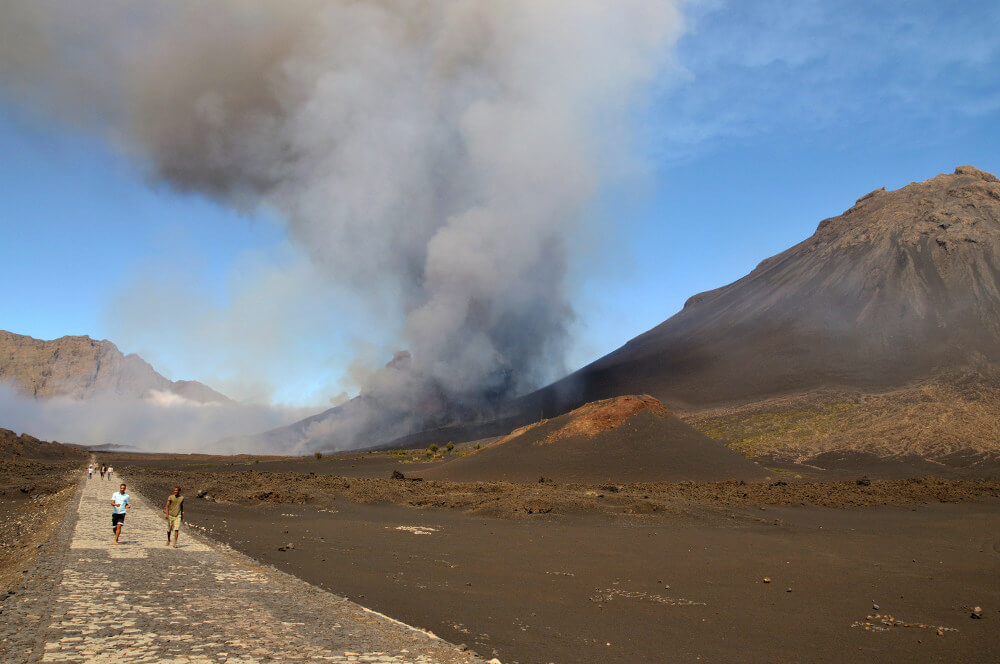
122 488
177 491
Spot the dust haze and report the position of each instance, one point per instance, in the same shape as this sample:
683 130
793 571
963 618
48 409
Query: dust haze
435 160
164 422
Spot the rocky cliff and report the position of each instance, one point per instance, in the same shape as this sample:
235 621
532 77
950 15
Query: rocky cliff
82 368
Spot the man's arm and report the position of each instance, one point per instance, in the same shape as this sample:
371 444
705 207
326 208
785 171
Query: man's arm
166 508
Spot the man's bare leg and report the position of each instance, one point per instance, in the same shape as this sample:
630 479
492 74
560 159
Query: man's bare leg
118 532
176 534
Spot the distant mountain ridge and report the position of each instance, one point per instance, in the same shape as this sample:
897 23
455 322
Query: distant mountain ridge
79 367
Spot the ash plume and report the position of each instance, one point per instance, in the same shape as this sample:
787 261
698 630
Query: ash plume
434 155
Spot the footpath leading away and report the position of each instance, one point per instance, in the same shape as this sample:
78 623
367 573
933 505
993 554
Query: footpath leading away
142 601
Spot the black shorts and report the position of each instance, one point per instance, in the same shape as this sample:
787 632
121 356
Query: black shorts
116 519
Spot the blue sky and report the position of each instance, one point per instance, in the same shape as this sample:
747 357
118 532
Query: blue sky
771 119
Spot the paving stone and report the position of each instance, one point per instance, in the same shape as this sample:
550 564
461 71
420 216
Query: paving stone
141 601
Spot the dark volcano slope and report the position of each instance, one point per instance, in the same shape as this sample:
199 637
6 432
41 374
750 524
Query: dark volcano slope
25 447
625 439
904 284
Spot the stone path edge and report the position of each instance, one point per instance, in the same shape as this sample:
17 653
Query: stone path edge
284 577
24 617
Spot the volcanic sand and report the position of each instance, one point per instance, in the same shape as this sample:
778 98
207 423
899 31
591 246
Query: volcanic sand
659 587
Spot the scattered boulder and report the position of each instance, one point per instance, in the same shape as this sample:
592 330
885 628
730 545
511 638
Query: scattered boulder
864 481
977 613
396 475
767 579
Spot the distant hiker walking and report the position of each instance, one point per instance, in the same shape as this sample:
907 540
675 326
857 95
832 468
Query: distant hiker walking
109 471
104 470
174 511
90 472
121 502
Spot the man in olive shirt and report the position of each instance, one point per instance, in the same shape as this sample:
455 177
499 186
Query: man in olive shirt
175 513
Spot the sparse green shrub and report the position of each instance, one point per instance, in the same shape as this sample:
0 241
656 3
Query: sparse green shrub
318 455
433 447
450 446
428 453
478 446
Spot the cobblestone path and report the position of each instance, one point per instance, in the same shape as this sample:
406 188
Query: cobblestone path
142 601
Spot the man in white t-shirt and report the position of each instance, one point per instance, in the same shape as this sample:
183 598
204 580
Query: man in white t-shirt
120 502
90 472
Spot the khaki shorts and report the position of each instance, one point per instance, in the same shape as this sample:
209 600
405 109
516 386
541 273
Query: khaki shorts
173 523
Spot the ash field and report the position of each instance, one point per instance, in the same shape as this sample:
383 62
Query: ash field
786 566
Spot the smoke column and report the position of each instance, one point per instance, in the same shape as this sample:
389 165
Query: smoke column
433 154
